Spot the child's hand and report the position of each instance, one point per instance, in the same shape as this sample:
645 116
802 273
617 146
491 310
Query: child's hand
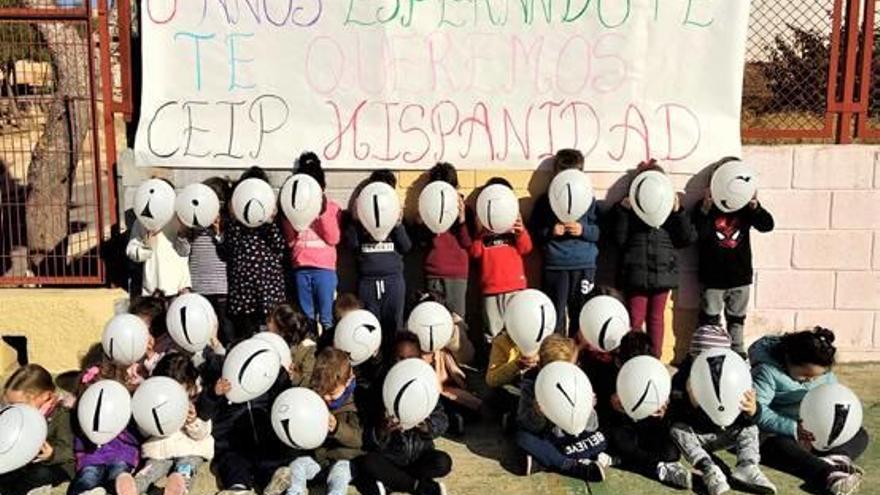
676 205
518 225
526 363
293 372
218 225
626 204
191 414
753 204
332 424
391 424
804 437
574 228
222 387
749 403
461 209
45 454
707 200
616 404
558 230
662 411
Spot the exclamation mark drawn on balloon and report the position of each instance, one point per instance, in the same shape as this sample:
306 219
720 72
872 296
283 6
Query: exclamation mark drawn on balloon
293 194
543 322
570 199
431 337
716 367
183 324
376 210
489 214
649 387
110 351
195 203
841 413
96 417
564 393
156 420
399 397
442 206
603 333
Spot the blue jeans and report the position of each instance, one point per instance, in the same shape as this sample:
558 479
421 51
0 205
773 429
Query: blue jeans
315 288
304 469
543 451
102 475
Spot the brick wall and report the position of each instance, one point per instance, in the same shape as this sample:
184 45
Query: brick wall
820 266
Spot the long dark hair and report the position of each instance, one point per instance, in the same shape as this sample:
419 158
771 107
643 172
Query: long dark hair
814 346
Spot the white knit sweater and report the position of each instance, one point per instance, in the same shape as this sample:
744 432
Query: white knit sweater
165 258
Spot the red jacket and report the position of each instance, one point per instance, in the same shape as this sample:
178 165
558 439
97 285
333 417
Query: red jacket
501 257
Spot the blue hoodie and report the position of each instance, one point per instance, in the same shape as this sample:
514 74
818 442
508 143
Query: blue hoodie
566 252
779 395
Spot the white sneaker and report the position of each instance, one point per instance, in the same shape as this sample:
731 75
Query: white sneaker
529 464
715 481
841 483
43 490
844 463
279 483
753 479
95 491
380 487
442 488
675 474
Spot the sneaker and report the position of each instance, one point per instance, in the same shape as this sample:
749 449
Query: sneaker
604 460
380 488
176 485
589 471
237 490
125 485
529 464
715 481
429 487
442 488
753 479
841 483
95 491
279 483
43 490
843 463
675 475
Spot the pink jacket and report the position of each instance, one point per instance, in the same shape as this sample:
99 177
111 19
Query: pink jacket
315 247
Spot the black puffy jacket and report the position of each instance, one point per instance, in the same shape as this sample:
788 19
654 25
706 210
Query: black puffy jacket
649 260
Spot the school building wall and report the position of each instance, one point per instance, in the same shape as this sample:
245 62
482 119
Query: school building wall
821 265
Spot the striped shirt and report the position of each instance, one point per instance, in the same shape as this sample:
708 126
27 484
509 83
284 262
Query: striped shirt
207 263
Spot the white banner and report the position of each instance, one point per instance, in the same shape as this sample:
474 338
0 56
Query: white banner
406 83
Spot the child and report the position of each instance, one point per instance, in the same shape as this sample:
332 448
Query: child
446 262
313 251
208 257
643 446
502 273
649 266
726 261
180 455
697 436
403 461
569 250
101 467
345 303
163 254
334 381
152 310
295 329
32 384
381 286
582 456
256 277
786 368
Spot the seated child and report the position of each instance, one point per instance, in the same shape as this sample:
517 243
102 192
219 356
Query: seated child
102 466
581 456
403 461
296 330
180 455
697 436
32 384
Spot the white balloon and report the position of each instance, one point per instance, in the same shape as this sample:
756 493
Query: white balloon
432 323
438 206
191 321
604 321
103 411
652 197
832 413
251 368
565 396
197 206
733 185
22 433
160 406
279 345
253 202
571 195
301 200
359 334
643 386
125 338
529 318
497 208
378 209
719 378
154 204
300 418
411 391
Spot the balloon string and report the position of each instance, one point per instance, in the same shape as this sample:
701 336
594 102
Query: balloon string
253 424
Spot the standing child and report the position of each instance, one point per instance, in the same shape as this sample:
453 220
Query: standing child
649 263
180 455
725 271
381 286
579 456
164 255
102 466
256 276
32 384
446 262
208 258
697 436
502 272
313 251
334 381
296 330
570 250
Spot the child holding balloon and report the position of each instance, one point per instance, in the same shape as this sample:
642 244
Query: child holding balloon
565 227
32 385
786 369
296 330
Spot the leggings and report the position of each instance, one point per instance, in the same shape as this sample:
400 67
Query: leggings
30 477
643 445
649 306
374 466
787 455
